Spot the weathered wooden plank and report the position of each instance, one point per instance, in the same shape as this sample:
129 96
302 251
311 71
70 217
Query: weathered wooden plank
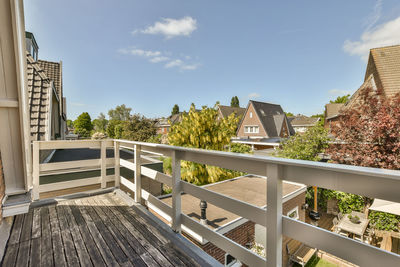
126 229
160 258
35 252
121 240
88 213
36 227
10 256
27 227
58 247
94 253
80 215
69 226
46 245
23 254
16 230
143 228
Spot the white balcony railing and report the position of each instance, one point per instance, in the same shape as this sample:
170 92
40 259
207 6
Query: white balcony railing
374 183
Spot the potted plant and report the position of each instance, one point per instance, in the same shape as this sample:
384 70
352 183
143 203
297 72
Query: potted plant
354 219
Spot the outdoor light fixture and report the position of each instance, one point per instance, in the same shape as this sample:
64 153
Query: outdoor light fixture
304 206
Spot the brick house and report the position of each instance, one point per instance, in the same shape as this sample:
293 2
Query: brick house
250 189
263 126
301 123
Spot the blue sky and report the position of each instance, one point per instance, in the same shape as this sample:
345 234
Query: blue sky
150 55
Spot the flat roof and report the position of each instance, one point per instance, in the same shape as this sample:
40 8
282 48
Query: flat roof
250 188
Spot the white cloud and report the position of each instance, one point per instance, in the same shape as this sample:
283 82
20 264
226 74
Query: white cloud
253 95
190 67
171 27
140 52
158 59
382 35
338 92
174 63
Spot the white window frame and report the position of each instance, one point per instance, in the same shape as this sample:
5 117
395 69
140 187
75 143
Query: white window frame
251 114
296 209
251 129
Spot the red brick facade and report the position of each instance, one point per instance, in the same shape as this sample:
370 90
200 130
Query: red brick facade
252 120
2 188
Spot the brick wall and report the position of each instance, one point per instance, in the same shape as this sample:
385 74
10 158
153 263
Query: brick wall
243 235
2 188
247 121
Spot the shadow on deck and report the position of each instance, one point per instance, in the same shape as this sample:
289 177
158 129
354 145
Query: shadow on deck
101 230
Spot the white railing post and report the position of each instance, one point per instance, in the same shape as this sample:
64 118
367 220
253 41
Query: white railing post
35 170
274 215
103 157
138 175
117 164
176 191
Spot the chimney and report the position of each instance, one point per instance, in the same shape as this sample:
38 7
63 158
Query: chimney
203 217
31 45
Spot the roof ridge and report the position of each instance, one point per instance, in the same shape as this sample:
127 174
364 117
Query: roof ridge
380 47
264 102
37 67
48 61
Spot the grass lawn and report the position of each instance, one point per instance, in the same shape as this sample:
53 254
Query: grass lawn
318 262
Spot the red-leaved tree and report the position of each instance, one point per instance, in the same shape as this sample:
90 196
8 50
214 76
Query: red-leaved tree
368 134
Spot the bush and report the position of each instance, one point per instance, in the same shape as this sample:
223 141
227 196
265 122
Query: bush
240 148
384 221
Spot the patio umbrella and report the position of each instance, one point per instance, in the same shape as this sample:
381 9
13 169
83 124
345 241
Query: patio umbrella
385 206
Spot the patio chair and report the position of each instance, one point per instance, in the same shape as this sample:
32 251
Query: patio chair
342 233
340 216
300 255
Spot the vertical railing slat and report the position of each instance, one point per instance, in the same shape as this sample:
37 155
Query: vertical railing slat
35 170
103 164
274 215
138 178
117 166
176 191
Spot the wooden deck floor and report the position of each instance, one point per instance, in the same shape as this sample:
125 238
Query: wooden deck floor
94 231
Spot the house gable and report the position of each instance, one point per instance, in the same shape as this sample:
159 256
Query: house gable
251 118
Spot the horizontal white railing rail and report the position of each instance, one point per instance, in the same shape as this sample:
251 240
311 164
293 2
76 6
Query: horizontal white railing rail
370 182
374 183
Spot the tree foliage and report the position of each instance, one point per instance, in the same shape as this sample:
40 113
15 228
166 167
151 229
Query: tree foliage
289 114
201 129
83 125
138 128
100 124
240 148
368 134
384 221
340 99
114 129
120 113
305 146
175 110
235 102
70 123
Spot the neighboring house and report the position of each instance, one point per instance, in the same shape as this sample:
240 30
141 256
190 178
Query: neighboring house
47 106
382 73
332 111
164 124
250 189
263 126
301 123
226 111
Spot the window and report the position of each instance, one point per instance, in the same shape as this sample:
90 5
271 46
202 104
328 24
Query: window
251 115
294 213
251 129
230 261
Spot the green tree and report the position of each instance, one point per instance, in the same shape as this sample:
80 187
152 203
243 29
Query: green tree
120 113
305 146
83 125
114 129
100 124
138 128
201 129
240 148
340 99
289 114
70 123
175 110
235 102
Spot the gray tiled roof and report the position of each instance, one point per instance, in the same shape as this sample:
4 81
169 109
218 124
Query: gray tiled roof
302 120
272 118
53 71
39 89
333 109
228 110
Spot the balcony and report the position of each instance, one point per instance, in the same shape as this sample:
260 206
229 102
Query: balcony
109 223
